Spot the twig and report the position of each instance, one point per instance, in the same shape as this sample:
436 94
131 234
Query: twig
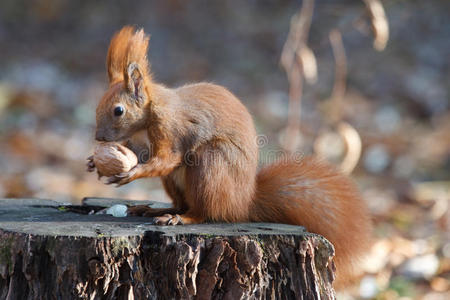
380 25
340 75
294 58
353 144
347 132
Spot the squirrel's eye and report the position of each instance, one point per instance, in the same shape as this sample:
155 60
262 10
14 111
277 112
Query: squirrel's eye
118 111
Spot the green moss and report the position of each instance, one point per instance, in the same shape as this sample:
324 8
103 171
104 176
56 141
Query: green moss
206 235
261 244
118 245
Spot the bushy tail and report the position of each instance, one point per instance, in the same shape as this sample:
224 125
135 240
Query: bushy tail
312 193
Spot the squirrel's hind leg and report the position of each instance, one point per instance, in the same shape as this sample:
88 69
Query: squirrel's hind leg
220 184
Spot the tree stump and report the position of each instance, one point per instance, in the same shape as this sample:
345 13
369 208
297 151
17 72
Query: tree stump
50 251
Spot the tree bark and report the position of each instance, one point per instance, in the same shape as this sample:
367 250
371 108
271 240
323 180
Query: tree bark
49 251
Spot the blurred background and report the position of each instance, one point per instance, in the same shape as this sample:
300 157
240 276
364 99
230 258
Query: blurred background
52 74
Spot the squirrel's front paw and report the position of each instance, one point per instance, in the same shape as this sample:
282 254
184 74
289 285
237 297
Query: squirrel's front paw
123 178
168 219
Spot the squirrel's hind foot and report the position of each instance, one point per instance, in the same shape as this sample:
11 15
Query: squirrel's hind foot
168 219
175 219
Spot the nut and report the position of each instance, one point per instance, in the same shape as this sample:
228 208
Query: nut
113 158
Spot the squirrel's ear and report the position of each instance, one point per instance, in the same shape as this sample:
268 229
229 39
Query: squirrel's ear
134 82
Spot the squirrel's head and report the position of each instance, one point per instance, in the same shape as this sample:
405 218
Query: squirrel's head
123 109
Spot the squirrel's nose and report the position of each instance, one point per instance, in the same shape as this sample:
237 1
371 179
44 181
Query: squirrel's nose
99 136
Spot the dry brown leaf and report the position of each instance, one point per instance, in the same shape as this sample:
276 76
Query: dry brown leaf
380 25
307 60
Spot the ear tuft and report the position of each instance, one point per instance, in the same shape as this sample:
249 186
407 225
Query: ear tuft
127 46
117 52
137 52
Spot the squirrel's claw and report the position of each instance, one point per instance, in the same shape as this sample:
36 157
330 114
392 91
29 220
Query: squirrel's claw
113 179
90 164
122 178
168 219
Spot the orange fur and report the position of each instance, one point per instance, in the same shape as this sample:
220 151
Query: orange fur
137 52
203 146
115 58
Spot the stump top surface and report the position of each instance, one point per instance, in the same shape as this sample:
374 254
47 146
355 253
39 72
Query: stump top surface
50 218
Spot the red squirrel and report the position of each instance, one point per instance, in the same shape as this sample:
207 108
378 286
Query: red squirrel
203 146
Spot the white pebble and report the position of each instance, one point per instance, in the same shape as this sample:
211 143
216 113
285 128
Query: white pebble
117 210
